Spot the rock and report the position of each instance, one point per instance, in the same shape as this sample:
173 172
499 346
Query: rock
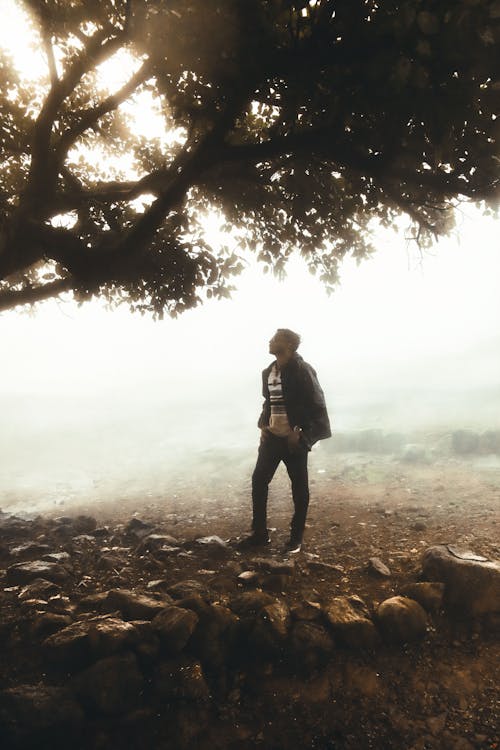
181 678
187 588
48 623
214 637
27 572
148 642
472 583
84 524
155 542
112 685
307 610
57 557
138 528
136 606
277 567
428 595
40 588
271 627
378 568
401 619
211 541
250 602
310 644
27 709
350 621
277 617
29 549
86 640
174 626
248 577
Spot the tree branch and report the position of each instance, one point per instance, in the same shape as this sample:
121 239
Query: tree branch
43 169
29 295
89 117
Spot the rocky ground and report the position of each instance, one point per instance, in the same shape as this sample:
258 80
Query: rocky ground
141 624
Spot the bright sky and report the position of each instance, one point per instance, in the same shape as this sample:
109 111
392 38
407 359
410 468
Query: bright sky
396 319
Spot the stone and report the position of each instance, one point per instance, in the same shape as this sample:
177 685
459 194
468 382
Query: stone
148 642
378 568
351 623
214 637
428 595
86 640
310 644
138 528
181 678
136 606
84 524
277 616
49 623
472 583
270 628
174 626
58 557
38 589
401 620
211 541
250 602
111 686
248 577
268 565
154 542
183 589
27 709
307 610
29 549
27 572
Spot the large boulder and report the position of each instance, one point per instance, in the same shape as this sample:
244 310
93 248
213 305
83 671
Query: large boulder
472 582
401 619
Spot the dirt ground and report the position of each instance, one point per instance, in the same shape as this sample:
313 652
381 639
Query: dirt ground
439 693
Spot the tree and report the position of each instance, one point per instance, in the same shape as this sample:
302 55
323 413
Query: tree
302 123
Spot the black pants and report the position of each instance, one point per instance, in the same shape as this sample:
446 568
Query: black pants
272 450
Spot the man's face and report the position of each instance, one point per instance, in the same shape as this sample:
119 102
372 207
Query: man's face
279 344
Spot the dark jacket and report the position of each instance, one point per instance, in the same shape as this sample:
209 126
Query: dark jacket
304 400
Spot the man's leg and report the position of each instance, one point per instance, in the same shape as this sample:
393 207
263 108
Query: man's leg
268 460
296 465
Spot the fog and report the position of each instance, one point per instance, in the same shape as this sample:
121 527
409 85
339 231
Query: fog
102 404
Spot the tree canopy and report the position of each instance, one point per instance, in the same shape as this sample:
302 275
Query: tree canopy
300 123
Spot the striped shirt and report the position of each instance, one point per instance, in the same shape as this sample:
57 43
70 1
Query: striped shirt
278 422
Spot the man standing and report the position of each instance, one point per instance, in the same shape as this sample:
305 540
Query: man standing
293 418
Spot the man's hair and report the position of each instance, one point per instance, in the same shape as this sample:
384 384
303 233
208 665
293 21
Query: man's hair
292 337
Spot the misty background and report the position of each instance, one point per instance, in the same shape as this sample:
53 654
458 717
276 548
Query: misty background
98 404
